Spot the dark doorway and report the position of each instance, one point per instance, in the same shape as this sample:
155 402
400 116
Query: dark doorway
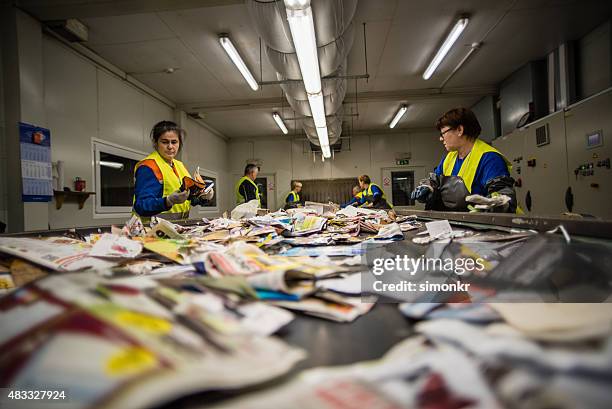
402 185
262 184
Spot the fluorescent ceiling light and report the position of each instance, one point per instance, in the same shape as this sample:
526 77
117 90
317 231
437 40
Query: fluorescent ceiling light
400 113
446 46
113 165
326 151
301 25
233 54
304 40
324 141
317 109
279 122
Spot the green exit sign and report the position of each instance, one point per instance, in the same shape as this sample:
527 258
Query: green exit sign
402 162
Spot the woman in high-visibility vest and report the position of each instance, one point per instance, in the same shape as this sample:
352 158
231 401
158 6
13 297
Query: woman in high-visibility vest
373 194
292 199
159 176
471 167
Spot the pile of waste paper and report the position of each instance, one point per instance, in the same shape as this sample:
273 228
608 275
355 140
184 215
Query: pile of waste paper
139 316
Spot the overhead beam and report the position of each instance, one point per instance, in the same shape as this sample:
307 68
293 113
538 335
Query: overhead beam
406 95
45 10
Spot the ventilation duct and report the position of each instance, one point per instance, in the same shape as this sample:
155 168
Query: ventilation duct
331 19
331 56
334 33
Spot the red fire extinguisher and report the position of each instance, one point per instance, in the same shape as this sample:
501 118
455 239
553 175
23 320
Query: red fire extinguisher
79 184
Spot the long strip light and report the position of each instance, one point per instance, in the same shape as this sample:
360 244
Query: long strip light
301 24
398 115
280 123
233 54
446 46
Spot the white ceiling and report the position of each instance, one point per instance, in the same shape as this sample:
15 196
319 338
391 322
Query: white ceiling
145 37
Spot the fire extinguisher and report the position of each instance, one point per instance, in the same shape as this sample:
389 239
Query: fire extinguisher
79 184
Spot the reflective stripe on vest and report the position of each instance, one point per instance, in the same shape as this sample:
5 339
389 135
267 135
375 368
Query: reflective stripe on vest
241 199
171 182
370 195
470 163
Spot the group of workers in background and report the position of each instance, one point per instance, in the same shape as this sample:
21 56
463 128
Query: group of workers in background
470 167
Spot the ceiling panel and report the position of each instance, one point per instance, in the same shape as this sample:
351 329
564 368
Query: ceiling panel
530 32
377 115
248 123
126 29
199 29
145 37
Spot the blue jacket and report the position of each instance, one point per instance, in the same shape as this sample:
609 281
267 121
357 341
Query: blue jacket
148 191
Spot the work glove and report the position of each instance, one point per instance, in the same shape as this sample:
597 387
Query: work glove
421 193
208 196
177 197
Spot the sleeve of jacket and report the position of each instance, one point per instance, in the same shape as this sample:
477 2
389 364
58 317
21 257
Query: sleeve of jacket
353 201
148 193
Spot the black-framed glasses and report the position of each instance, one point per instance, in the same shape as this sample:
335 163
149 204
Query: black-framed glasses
444 132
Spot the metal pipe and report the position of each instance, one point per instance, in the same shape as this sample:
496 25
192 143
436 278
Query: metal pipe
359 76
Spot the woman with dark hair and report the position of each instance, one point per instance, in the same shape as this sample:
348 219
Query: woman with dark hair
471 167
159 176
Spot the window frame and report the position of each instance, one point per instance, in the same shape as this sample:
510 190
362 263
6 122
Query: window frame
209 209
98 145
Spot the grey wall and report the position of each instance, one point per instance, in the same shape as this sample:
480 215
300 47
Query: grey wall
485 112
369 154
526 85
595 61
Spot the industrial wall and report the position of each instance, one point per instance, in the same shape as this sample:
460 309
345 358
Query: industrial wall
83 102
569 170
369 154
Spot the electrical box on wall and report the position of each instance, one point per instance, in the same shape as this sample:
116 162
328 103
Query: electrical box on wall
589 154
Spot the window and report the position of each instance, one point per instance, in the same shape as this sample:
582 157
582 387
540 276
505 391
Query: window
114 178
209 175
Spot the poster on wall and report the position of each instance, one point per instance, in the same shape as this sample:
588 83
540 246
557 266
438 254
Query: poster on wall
36 174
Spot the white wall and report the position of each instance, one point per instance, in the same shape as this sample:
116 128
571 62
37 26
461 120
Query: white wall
83 101
204 149
368 155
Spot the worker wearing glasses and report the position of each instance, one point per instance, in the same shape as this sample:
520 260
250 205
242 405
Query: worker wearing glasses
471 167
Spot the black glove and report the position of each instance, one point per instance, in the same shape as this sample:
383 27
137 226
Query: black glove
421 193
504 185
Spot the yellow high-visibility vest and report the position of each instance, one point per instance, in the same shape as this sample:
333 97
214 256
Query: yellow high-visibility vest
239 197
171 181
470 164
